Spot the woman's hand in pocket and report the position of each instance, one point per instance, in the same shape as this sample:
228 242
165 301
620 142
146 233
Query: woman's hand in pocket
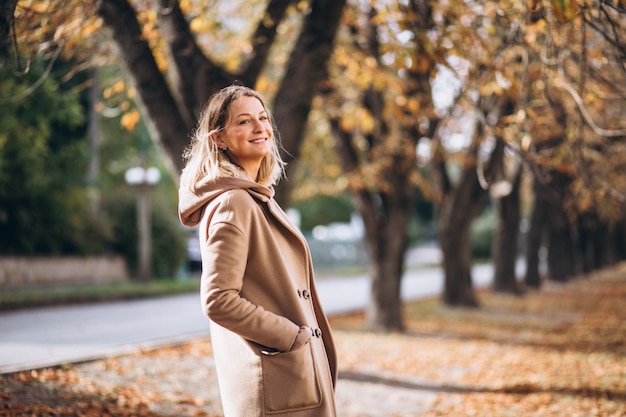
304 335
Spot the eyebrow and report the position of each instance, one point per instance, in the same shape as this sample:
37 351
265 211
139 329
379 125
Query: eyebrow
249 114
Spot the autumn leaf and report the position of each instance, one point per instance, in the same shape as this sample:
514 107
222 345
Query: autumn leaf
533 5
565 10
129 120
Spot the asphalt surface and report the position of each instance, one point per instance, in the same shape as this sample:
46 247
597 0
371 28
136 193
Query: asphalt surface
42 337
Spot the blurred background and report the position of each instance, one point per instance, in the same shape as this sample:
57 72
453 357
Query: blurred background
417 133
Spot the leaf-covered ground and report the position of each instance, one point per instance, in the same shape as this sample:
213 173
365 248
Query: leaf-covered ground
557 352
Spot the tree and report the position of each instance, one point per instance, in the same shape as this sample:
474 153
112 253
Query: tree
44 208
172 102
484 56
534 61
576 85
459 203
373 107
505 247
7 10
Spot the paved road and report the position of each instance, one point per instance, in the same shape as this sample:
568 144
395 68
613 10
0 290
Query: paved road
54 335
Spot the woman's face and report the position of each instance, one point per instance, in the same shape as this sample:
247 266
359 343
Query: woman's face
247 135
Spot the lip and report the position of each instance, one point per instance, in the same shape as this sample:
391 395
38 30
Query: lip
259 140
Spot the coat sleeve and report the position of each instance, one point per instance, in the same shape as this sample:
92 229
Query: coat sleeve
224 264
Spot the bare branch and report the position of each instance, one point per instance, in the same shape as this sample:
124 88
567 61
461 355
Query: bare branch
37 83
263 39
562 83
7 25
164 120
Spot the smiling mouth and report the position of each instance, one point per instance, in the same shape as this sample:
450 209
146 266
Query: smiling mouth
258 140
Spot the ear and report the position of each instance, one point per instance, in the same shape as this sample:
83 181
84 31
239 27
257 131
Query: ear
218 140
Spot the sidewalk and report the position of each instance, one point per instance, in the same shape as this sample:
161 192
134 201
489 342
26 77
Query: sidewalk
183 382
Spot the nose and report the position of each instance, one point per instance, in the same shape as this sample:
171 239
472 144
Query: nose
258 125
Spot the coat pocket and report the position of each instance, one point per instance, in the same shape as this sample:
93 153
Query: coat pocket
290 381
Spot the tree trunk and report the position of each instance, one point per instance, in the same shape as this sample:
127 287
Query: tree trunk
617 242
386 218
601 253
7 12
534 239
454 239
504 248
164 120
594 243
561 252
386 200
585 244
306 68
387 250
458 208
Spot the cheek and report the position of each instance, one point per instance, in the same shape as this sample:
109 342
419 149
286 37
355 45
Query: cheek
236 137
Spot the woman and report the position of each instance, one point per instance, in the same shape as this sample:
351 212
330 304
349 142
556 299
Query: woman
273 349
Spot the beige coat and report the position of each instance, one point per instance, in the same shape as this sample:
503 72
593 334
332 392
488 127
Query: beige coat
257 290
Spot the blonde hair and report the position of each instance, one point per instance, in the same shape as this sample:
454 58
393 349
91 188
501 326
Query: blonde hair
204 158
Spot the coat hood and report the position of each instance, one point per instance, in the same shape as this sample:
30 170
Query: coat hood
192 202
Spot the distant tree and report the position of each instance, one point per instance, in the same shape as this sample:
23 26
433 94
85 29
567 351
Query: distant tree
576 87
43 202
120 149
484 55
7 10
373 102
505 250
322 210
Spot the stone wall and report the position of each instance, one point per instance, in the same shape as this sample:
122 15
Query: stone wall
50 272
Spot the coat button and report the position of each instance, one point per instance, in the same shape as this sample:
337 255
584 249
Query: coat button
318 333
306 294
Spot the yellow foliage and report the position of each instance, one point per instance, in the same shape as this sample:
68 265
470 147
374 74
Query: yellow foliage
491 88
533 5
129 120
200 24
119 86
232 64
413 105
565 10
263 84
185 6
401 100
370 62
347 122
421 65
160 59
367 122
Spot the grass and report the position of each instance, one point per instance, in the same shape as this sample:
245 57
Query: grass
19 299
88 293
